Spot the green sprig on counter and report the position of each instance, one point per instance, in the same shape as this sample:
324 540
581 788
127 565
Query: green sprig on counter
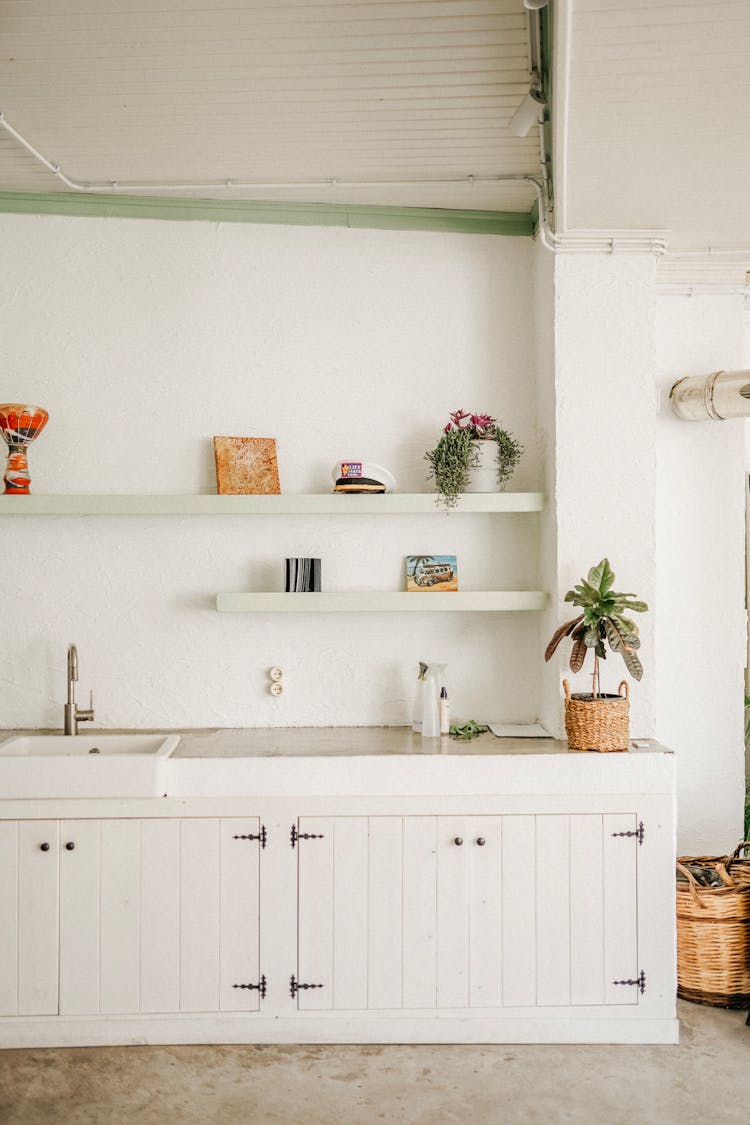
467 731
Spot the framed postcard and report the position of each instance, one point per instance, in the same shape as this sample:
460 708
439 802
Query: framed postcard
246 466
431 573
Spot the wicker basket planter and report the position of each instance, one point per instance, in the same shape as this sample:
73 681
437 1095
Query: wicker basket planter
713 932
597 723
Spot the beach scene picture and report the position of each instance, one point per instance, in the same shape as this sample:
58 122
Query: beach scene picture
431 573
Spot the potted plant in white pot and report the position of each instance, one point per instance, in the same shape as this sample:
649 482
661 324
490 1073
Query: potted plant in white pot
597 721
474 454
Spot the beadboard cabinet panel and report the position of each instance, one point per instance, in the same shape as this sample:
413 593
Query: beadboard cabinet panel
350 917
80 914
200 870
385 912
160 916
620 909
486 912
553 887
518 934
452 914
9 873
38 898
420 912
239 896
119 953
587 910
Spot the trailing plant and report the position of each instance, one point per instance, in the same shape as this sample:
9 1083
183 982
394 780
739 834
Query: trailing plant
604 623
456 453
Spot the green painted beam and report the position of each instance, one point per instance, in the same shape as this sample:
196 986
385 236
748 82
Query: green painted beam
249 211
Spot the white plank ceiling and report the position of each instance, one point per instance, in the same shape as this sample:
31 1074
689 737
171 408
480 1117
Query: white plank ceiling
200 91
657 133
652 106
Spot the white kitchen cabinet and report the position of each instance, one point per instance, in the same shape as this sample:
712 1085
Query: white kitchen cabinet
516 911
344 909
128 916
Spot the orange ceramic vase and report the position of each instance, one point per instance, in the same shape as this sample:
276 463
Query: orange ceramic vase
19 426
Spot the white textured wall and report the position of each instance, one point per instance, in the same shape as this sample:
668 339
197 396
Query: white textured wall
143 339
544 311
605 419
700 520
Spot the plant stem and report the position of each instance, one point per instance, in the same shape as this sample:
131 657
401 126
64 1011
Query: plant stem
595 678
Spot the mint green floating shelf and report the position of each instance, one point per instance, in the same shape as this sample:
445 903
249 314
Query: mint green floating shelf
326 503
470 601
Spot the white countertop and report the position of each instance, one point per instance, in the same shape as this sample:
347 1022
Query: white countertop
344 742
329 762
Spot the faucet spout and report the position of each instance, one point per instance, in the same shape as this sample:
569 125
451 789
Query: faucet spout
72 672
73 713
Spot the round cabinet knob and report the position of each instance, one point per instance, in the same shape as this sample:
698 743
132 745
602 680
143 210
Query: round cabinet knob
458 841
481 841
69 847
44 847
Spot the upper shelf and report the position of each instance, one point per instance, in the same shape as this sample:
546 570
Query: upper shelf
462 601
326 503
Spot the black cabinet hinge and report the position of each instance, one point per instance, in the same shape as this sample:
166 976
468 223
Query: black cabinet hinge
639 833
262 836
295 836
640 982
295 986
261 987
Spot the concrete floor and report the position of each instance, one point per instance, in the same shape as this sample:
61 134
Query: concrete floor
705 1079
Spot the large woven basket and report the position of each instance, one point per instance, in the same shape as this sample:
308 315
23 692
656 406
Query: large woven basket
597 724
713 932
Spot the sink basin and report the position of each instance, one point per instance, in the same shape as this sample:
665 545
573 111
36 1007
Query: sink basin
44 745
90 765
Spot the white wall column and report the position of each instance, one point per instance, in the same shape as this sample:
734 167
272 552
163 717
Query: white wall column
700 576
605 467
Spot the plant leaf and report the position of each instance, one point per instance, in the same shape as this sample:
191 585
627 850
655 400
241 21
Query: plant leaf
614 636
625 624
632 663
636 607
578 652
601 577
591 637
565 630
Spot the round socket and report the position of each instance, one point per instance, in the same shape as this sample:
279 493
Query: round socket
276 674
276 688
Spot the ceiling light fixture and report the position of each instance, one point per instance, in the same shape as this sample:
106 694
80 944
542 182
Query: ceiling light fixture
528 113
535 5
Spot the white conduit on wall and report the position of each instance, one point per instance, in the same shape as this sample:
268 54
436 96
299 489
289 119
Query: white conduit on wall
699 398
593 242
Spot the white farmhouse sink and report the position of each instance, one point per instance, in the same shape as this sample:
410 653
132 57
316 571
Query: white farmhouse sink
89 765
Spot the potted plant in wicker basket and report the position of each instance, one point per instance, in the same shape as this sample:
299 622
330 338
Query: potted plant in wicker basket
597 721
474 454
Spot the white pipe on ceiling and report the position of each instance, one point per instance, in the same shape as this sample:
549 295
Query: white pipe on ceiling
593 243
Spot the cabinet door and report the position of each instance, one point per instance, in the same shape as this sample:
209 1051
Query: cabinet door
125 916
28 917
37 979
200 880
467 912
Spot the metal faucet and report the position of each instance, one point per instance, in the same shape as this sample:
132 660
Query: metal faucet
74 716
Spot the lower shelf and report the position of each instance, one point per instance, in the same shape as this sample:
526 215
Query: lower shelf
471 601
